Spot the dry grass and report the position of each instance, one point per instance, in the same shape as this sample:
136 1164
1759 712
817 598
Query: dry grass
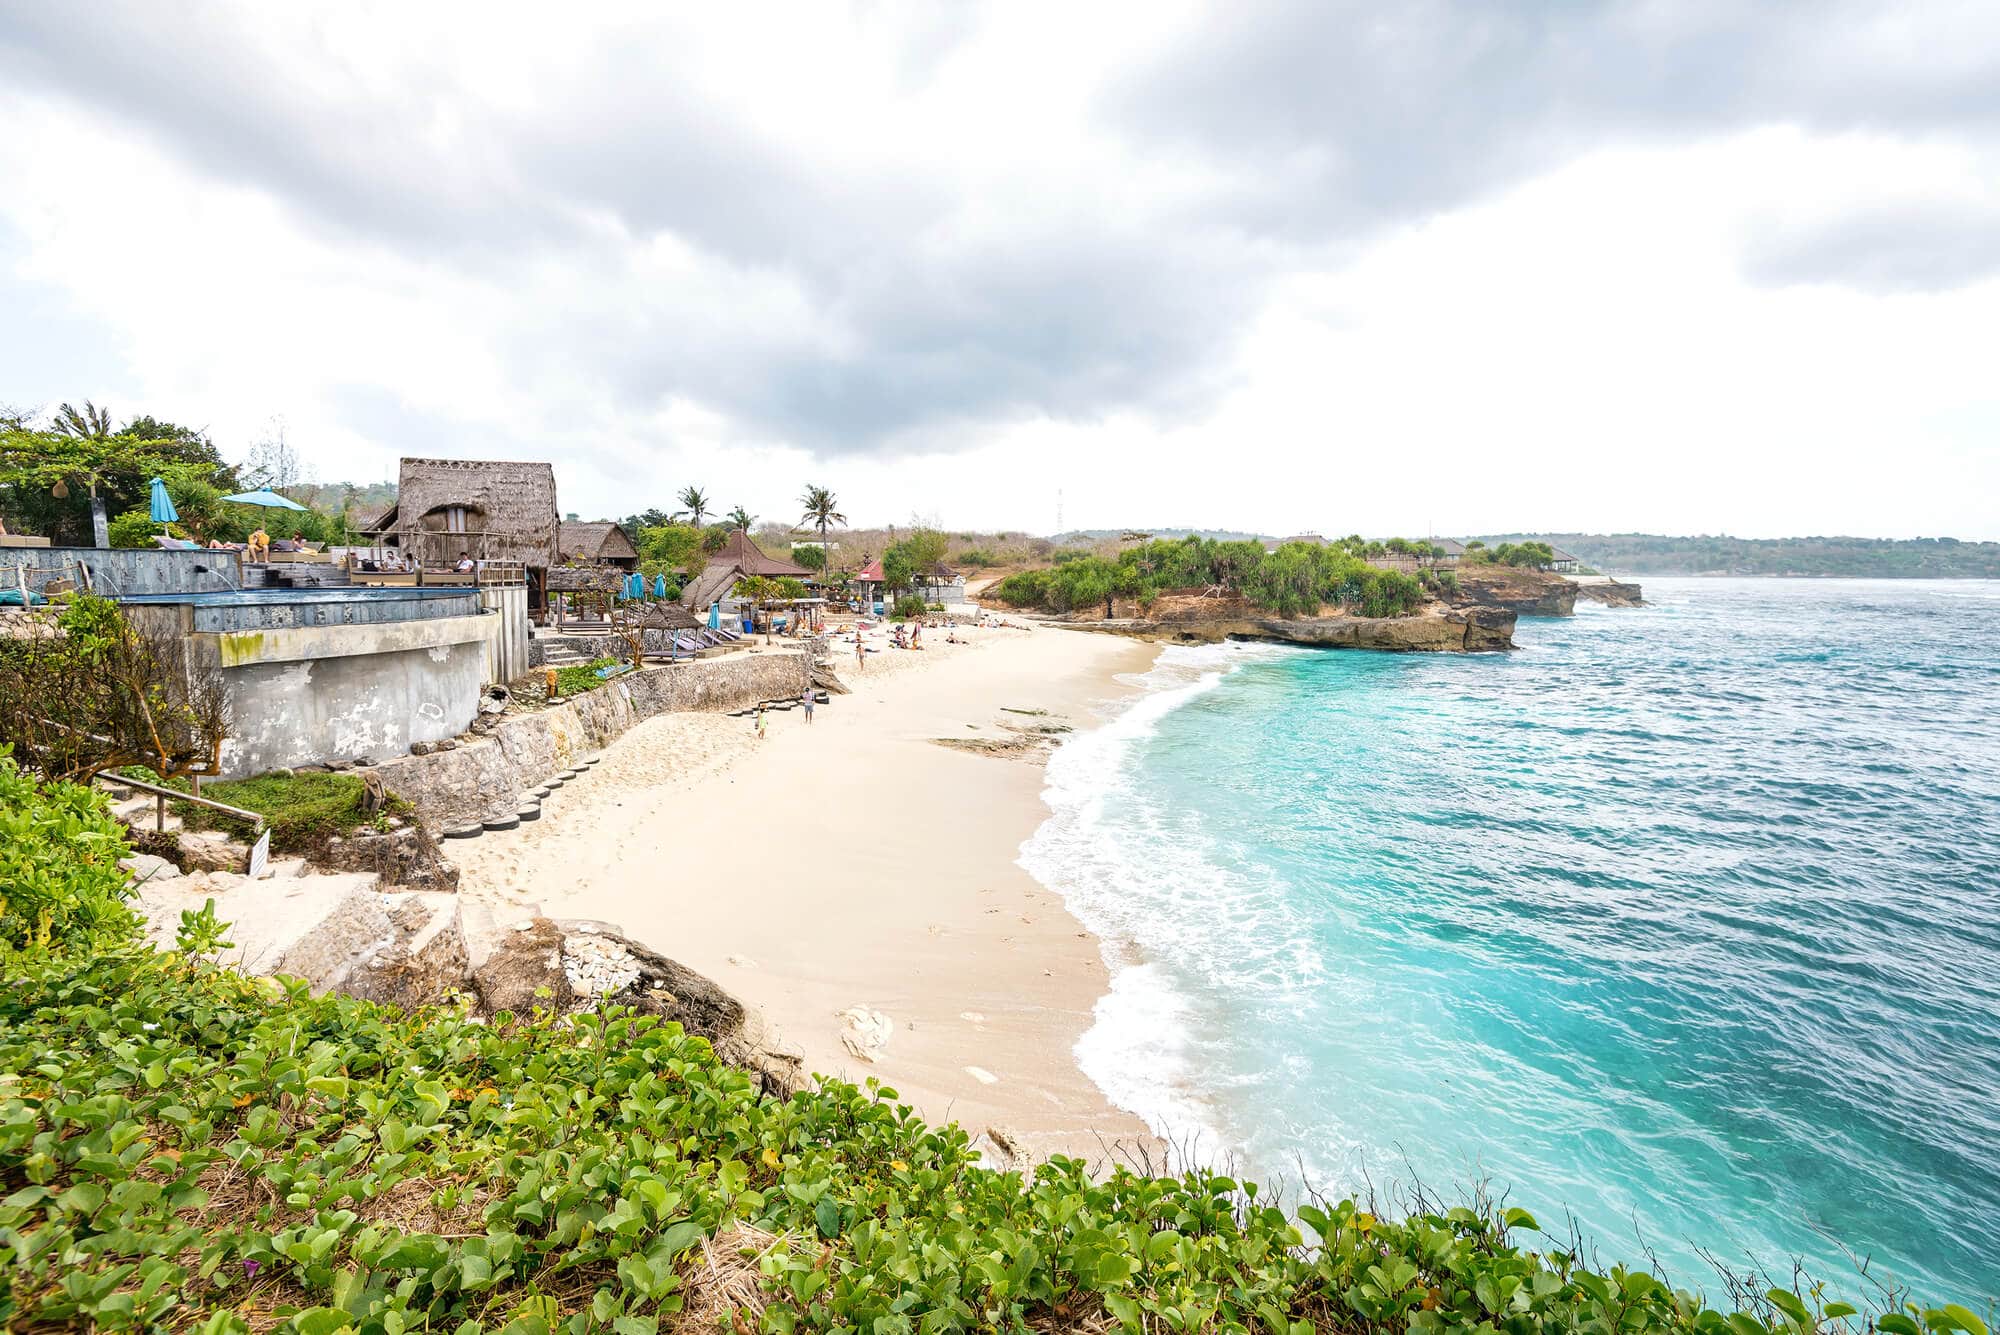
724 1288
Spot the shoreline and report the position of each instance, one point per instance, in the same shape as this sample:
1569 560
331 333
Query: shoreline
854 861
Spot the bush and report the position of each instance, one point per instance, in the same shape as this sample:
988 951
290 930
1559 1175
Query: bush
909 607
190 1149
59 875
580 677
302 811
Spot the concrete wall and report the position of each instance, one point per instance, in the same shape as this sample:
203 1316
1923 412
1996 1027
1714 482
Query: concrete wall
122 569
489 773
314 694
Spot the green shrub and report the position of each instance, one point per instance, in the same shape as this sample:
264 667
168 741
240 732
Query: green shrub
301 810
909 606
580 677
189 1149
59 875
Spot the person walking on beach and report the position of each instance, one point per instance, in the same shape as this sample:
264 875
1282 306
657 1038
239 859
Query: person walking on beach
760 723
806 699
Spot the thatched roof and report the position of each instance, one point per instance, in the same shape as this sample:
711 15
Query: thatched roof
375 519
713 584
510 509
664 616
594 540
741 552
584 579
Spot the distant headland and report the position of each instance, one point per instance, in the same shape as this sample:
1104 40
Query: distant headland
1815 557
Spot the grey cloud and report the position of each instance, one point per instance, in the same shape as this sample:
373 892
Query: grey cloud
1911 247
1344 116
1324 123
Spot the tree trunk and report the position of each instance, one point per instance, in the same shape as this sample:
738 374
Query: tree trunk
100 527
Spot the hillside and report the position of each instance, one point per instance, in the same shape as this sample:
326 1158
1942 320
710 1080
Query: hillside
1870 558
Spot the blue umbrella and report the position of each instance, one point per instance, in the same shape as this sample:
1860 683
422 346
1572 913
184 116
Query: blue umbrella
163 511
635 587
659 586
715 616
265 497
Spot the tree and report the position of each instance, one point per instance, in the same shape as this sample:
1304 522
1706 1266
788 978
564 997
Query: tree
822 511
674 547
274 463
93 423
740 518
694 504
812 558
83 690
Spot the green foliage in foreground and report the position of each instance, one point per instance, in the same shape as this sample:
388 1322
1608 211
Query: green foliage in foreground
1297 579
184 1148
59 875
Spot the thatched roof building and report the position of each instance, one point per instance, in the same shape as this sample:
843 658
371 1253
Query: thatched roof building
585 579
738 560
489 509
599 541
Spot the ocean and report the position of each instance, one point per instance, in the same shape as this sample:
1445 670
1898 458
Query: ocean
1679 924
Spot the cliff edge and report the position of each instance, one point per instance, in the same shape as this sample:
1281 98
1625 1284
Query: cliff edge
1199 619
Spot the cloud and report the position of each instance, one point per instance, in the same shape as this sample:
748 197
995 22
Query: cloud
1895 247
1047 241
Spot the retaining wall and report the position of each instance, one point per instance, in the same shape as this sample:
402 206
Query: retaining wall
465 783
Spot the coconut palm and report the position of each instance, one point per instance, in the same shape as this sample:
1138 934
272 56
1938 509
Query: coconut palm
694 504
740 518
93 423
822 509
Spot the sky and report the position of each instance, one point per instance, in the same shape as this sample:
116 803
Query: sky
1431 266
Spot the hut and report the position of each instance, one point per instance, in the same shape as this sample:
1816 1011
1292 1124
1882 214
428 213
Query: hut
583 593
598 542
489 510
940 584
738 559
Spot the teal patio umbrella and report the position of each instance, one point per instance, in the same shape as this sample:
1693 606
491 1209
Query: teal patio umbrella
265 497
659 586
162 511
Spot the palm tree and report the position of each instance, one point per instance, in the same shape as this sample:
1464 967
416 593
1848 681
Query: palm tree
740 518
93 423
822 510
694 504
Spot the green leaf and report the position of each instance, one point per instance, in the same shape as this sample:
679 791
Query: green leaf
1964 1319
827 1215
1897 1323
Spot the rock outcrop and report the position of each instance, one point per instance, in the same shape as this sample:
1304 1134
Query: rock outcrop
338 933
1435 628
1524 592
561 965
1610 592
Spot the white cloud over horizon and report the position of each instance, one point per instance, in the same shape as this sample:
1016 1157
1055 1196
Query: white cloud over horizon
1673 268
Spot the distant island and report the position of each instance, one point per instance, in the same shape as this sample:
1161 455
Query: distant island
1859 558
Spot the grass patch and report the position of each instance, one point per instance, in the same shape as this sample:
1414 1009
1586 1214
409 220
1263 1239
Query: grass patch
581 677
302 811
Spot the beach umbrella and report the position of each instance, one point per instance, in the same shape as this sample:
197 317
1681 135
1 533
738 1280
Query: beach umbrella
163 511
265 497
715 616
635 587
659 586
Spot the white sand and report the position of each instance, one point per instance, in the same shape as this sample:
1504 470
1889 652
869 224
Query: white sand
853 862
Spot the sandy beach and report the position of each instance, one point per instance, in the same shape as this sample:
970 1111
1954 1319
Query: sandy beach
854 861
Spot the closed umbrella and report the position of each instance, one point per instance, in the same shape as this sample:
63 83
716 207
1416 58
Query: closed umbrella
659 586
635 587
715 616
265 497
163 511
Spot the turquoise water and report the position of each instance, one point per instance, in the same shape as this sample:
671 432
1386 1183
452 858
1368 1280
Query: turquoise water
1682 921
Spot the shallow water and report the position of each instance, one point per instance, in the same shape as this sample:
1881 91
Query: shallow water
1682 919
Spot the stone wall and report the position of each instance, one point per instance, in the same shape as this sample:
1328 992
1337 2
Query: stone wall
466 782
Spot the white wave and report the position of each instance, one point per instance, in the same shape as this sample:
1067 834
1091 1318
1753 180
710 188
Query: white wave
1140 1047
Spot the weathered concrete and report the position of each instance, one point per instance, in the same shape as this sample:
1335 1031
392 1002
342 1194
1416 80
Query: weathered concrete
460 785
314 694
507 651
336 932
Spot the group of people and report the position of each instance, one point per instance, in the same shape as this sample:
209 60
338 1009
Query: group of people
806 700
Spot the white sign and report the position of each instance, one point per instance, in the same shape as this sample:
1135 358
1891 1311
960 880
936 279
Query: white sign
260 856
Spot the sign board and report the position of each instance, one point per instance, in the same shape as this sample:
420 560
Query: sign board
260 856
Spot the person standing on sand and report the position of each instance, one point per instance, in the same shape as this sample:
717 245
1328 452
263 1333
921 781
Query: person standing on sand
760 723
860 663
806 699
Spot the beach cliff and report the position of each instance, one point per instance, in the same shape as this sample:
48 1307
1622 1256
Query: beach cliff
1199 619
1517 589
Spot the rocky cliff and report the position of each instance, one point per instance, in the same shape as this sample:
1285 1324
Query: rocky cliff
1610 592
1202 620
1524 592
